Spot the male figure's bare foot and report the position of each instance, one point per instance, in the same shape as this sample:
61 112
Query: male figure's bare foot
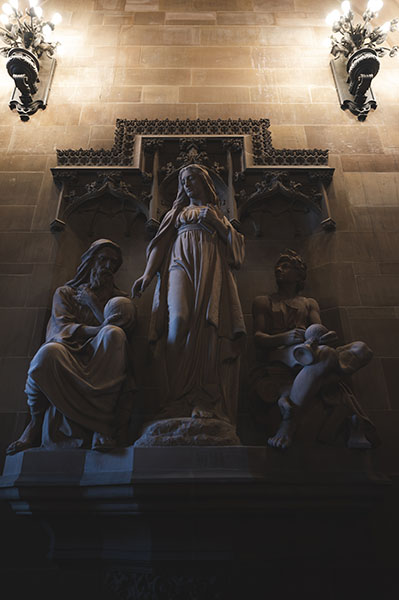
202 413
30 438
284 436
286 407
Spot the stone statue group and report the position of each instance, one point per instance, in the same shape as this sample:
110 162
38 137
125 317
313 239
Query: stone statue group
80 382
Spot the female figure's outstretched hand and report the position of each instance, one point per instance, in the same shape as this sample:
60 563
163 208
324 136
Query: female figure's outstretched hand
140 285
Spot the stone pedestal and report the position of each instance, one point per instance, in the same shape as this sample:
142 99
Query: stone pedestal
266 468
215 520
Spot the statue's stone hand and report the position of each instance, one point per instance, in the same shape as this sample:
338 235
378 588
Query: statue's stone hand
114 319
85 296
329 339
140 285
295 336
209 216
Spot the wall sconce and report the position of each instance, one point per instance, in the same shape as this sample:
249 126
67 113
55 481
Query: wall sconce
28 49
356 56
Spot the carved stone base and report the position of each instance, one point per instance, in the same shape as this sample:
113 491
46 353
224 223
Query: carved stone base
188 432
125 583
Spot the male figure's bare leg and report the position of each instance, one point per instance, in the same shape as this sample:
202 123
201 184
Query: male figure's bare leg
31 436
306 385
37 402
310 379
285 433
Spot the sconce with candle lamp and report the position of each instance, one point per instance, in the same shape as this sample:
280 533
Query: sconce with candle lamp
356 53
30 55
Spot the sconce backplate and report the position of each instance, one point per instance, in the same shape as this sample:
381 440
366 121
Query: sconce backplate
39 99
346 99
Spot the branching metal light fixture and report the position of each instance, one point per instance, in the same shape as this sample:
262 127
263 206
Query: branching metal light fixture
356 54
28 49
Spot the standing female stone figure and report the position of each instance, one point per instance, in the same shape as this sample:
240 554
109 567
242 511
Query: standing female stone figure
197 322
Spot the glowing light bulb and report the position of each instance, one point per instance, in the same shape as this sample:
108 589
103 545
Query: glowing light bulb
33 3
4 19
332 17
56 18
47 31
346 6
38 11
375 5
386 27
7 9
14 4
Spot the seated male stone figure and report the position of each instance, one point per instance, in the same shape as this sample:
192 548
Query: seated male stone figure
79 382
296 363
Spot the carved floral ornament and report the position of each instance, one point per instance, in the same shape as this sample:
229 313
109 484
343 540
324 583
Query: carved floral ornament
139 173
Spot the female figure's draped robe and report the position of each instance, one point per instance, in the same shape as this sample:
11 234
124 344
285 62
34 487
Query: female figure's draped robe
196 279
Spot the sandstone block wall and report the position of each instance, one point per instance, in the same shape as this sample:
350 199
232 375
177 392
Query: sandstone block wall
207 59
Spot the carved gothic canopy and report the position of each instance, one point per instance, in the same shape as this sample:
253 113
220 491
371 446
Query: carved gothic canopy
137 177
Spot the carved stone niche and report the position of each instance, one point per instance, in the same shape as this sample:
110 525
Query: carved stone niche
137 178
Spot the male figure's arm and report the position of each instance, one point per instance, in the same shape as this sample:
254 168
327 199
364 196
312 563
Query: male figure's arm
64 324
329 338
86 297
314 312
263 323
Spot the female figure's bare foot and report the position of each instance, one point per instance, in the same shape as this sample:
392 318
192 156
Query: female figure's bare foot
284 436
30 438
103 443
202 413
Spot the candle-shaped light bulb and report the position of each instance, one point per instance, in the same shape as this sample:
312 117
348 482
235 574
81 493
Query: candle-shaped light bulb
47 31
33 3
14 4
4 19
7 9
332 17
38 11
346 6
375 5
386 27
56 18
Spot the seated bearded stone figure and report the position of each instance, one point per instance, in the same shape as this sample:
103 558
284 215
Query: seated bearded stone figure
80 382
296 364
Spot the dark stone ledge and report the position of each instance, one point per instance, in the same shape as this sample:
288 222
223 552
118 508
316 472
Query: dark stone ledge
137 481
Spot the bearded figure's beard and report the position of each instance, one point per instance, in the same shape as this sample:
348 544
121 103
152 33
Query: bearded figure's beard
100 277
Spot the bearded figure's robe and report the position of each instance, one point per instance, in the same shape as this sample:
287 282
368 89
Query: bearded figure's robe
83 383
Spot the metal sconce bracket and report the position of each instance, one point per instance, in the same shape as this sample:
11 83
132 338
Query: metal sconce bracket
357 48
358 107
28 105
